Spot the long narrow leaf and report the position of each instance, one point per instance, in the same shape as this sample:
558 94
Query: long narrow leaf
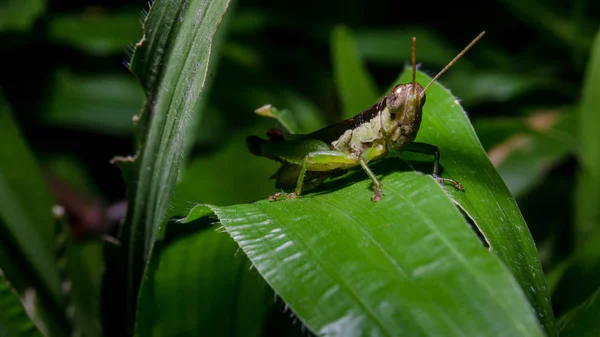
25 202
588 186
14 320
171 62
582 321
27 226
356 88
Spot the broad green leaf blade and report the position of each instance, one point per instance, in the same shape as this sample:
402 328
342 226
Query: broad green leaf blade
19 15
96 32
583 321
14 320
403 266
171 62
354 84
102 103
486 199
200 285
587 212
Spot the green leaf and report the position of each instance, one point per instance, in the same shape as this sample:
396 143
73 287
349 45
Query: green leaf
486 198
14 320
96 32
101 103
587 194
354 84
524 158
350 267
218 41
25 205
171 62
583 321
495 86
576 278
85 266
27 225
19 15
221 296
493 131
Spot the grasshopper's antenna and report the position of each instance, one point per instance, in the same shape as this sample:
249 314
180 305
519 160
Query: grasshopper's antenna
451 62
414 63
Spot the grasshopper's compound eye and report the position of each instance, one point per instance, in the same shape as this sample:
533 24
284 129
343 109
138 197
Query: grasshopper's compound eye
405 95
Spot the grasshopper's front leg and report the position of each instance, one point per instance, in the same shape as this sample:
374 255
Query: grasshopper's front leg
433 150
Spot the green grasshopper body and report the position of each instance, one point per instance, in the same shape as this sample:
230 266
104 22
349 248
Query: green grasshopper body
390 124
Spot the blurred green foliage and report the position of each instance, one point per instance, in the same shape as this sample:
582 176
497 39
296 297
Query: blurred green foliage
529 89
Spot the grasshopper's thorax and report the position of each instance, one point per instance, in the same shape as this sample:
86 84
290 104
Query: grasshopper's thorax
405 105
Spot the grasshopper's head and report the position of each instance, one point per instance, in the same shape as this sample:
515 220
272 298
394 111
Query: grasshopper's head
405 105
405 101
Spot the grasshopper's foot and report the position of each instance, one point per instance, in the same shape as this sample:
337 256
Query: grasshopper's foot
378 194
291 196
278 195
452 182
275 196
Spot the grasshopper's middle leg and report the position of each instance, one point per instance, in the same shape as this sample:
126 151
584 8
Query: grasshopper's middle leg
433 150
335 158
366 156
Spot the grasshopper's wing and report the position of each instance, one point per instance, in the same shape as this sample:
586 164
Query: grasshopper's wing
334 131
291 151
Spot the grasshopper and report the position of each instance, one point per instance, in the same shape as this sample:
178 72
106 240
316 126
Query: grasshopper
389 125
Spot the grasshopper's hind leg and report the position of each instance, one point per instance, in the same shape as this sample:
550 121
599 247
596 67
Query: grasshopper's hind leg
433 150
287 178
324 161
331 160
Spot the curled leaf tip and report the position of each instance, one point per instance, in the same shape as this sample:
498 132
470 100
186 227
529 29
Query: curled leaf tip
121 160
265 110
